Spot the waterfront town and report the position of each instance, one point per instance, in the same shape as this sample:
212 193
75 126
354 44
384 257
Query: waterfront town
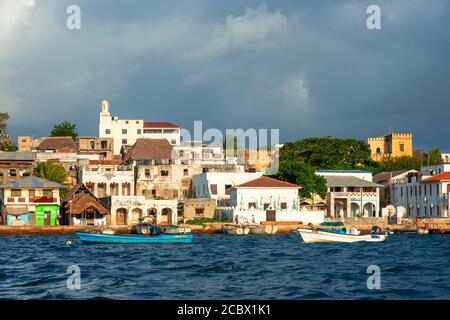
136 170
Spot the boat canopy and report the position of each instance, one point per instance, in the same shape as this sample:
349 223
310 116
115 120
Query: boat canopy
332 224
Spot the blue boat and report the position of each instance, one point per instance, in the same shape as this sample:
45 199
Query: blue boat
146 233
134 238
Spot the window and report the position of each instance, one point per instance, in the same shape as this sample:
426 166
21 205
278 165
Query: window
147 173
185 172
16 193
199 212
124 141
108 131
139 131
164 173
283 205
402 147
104 144
378 151
173 141
228 188
251 205
266 206
214 189
92 144
124 131
31 193
47 193
153 193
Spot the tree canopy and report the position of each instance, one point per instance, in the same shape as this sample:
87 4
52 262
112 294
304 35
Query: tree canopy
302 174
5 142
331 153
64 129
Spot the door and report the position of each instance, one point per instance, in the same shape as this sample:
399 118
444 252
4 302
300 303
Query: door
271 215
120 219
47 218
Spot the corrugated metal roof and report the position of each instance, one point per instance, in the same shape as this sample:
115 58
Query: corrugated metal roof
16 156
32 182
349 181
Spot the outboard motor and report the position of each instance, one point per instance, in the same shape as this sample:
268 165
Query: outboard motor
375 230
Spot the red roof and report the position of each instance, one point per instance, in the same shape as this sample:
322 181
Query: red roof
266 182
439 177
160 125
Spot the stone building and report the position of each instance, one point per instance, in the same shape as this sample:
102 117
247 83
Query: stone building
103 147
393 145
15 165
198 208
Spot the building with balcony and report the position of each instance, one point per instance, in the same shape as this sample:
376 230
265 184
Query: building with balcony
393 145
425 193
388 179
351 193
30 201
108 178
126 132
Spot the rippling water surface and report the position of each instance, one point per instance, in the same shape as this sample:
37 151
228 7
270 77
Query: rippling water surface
226 267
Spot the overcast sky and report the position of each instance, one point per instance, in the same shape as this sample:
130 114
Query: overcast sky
308 68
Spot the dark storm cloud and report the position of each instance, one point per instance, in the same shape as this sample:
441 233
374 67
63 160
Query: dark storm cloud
307 68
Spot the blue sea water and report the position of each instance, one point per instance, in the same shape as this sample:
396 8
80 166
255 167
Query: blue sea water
226 267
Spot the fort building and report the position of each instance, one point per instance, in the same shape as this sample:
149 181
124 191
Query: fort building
393 145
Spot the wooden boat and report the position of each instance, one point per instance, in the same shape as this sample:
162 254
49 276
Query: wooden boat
134 238
175 230
322 235
423 231
235 229
265 229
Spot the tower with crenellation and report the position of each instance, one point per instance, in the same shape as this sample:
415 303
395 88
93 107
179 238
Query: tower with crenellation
393 145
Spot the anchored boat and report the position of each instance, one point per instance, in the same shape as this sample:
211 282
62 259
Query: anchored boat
235 229
146 233
339 235
264 229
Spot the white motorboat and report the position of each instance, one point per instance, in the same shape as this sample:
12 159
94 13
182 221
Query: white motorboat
315 235
264 229
235 229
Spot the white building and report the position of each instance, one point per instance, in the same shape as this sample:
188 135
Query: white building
196 152
126 132
217 185
351 193
108 178
424 194
268 199
388 179
445 157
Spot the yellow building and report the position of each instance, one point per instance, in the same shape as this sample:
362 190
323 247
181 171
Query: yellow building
393 145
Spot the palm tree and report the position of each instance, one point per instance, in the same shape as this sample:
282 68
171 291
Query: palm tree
50 171
4 116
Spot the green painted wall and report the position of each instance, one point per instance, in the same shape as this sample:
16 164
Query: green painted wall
42 209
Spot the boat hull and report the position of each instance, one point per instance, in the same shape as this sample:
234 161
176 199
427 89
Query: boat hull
310 236
236 230
268 229
162 238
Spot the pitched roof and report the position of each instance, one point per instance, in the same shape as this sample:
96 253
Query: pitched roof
54 143
162 124
439 177
83 201
266 182
77 189
150 149
349 181
17 156
32 182
386 175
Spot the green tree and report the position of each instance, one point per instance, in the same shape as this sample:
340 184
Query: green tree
5 141
50 171
331 153
401 163
64 129
302 174
434 157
